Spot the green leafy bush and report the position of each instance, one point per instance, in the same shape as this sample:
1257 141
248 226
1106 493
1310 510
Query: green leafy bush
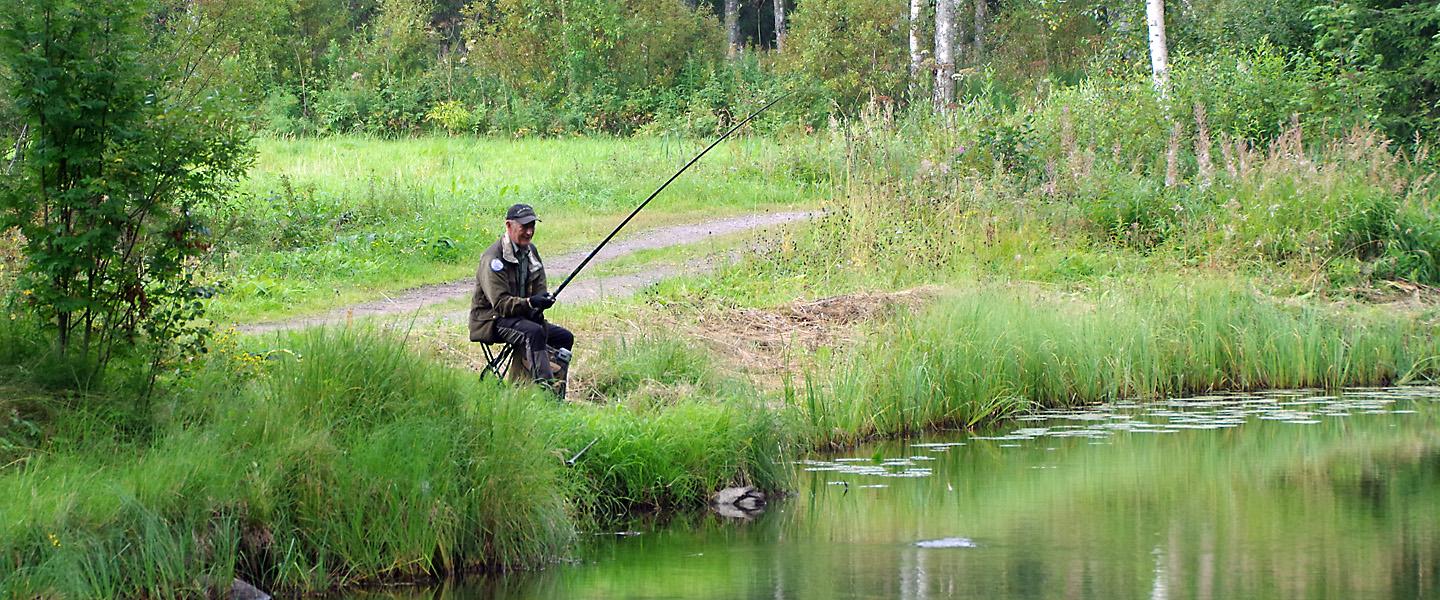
127 146
453 116
281 113
853 49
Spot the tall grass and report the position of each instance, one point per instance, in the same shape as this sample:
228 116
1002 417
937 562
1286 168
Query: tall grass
355 461
674 457
669 429
995 351
353 458
1106 168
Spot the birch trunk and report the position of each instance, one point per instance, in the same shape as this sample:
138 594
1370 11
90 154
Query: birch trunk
982 9
1159 55
779 25
944 53
917 55
732 26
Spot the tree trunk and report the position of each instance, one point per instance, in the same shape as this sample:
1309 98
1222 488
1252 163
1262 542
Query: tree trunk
917 55
20 141
944 53
982 10
1159 55
779 25
732 26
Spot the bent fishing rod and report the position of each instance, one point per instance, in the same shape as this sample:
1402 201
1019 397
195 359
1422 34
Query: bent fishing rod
506 352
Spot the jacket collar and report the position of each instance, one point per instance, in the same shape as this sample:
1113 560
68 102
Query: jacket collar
507 252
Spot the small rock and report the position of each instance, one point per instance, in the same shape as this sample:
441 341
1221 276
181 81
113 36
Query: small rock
738 502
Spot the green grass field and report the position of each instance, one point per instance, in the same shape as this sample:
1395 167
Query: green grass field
323 223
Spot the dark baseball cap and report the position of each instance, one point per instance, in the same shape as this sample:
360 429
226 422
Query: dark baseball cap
522 214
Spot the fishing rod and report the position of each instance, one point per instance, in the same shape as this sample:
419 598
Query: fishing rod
506 352
657 191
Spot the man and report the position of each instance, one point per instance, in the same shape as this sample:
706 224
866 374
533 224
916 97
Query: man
510 298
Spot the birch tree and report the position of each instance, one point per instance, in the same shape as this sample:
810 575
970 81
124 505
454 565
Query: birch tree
982 10
917 54
944 53
1159 55
779 25
732 26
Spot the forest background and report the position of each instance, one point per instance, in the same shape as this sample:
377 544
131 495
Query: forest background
404 67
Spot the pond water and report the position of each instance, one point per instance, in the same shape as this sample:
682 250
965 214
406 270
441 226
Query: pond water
1273 495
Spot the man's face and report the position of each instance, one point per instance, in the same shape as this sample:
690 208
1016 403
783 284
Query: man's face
520 234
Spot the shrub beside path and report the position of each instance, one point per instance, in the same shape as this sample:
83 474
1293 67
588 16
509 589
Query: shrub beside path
557 268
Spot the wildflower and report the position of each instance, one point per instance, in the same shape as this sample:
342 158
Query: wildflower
54 540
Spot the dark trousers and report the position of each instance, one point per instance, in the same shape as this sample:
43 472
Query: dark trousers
534 336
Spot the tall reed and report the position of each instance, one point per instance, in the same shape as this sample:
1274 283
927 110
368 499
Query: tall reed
994 351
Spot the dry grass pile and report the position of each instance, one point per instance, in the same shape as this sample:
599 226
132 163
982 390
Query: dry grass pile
766 344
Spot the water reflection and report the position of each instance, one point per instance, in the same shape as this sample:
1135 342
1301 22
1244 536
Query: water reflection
1276 495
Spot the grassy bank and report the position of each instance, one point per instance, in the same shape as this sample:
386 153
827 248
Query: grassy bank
348 458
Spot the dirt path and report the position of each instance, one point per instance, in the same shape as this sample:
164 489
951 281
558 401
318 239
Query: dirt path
581 290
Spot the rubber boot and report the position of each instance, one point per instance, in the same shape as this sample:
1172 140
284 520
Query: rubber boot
540 366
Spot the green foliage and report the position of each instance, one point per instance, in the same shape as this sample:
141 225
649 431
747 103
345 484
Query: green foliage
600 64
1253 93
1241 23
348 458
1050 41
1392 46
852 50
621 66
1386 50
281 114
126 145
453 116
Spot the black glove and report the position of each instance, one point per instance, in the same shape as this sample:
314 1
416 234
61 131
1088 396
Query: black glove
542 301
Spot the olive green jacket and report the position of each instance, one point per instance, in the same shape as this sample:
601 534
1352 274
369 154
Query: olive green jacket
500 289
